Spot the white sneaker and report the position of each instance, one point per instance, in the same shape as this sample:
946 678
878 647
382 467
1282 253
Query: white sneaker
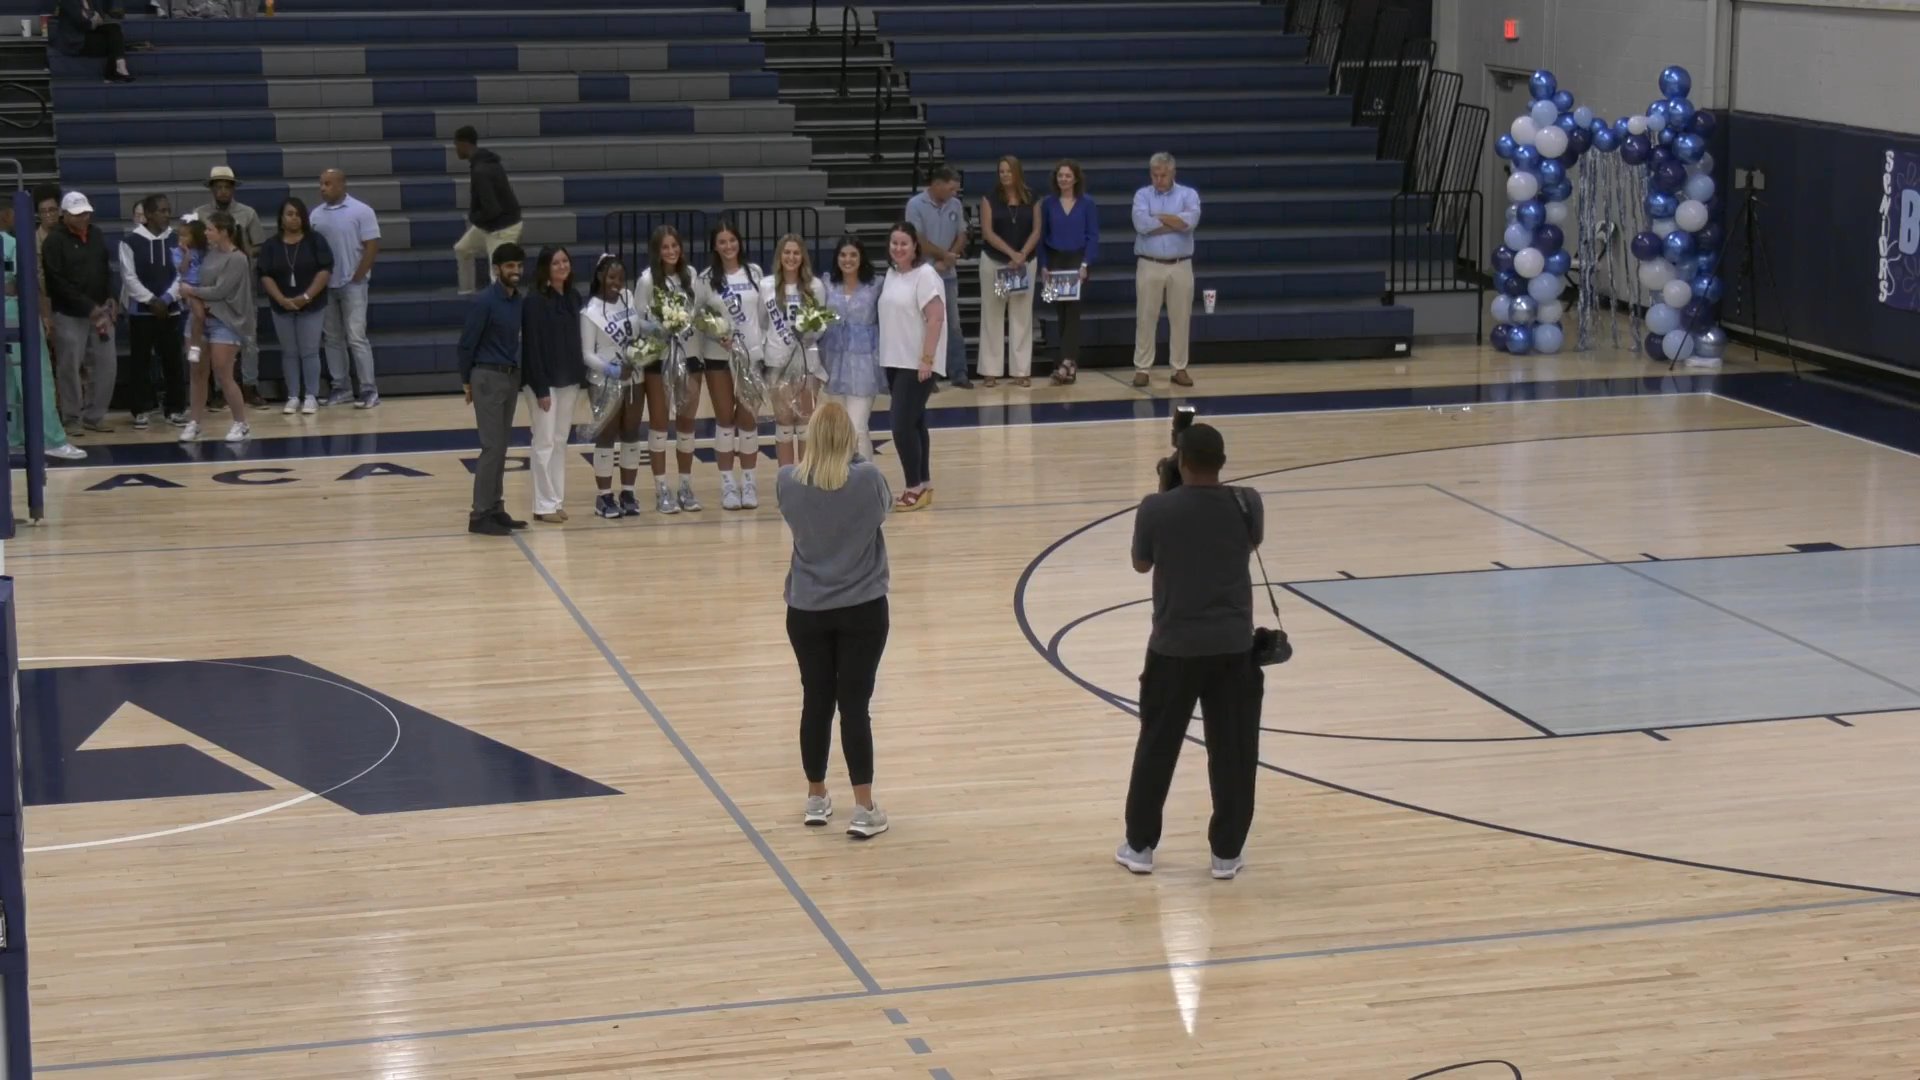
749 492
292 406
67 452
729 494
239 432
1227 869
868 822
1140 862
819 809
663 500
190 433
309 405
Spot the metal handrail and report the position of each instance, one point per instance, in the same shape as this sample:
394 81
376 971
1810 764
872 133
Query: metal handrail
846 11
925 139
882 104
1438 239
46 107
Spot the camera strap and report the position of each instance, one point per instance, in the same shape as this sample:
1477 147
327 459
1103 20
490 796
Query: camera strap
1246 515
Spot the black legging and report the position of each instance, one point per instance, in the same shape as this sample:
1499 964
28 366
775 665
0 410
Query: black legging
1068 312
907 416
106 40
839 653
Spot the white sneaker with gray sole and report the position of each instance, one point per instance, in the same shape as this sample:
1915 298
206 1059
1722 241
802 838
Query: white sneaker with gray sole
1228 869
819 809
868 822
1140 862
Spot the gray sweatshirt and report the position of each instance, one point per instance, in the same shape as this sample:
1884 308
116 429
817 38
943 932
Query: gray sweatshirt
839 551
226 284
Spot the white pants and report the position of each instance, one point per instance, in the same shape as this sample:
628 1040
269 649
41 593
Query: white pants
477 244
1014 307
1154 284
551 430
860 411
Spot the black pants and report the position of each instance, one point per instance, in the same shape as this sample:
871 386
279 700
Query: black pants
907 414
1228 689
156 341
1069 312
839 653
106 40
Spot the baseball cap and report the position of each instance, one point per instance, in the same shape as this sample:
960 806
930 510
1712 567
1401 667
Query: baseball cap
75 203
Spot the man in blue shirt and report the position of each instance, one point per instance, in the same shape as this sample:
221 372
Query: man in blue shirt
1164 217
491 373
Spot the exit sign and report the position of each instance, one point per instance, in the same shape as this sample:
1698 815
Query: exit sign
1510 29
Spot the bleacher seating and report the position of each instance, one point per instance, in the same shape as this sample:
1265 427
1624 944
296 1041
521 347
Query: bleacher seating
636 104
1295 236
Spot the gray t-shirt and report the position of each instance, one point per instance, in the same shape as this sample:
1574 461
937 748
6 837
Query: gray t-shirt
839 551
938 223
1198 542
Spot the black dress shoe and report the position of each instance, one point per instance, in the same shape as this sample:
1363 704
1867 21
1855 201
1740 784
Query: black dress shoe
508 522
487 526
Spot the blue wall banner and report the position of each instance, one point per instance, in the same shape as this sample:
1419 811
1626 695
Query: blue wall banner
1900 231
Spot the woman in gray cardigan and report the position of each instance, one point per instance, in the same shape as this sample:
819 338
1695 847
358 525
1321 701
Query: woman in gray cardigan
226 287
836 504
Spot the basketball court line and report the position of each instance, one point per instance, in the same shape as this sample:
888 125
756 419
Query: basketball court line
887 993
719 793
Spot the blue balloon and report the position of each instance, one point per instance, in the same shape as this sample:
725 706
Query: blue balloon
1678 245
1542 85
1675 82
1620 128
1552 172
1680 113
1563 100
1584 117
1668 176
1707 287
1661 206
1530 213
1655 351
1559 192
1604 138
1646 246
1517 236
1498 339
1548 338
1549 239
1667 135
1658 108
1519 340
1526 159
1509 283
1709 238
1566 123
1661 155
1559 262
1635 150
1504 146
1502 258
1704 122
1578 140
1708 263
1689 147
1697 315
1687 268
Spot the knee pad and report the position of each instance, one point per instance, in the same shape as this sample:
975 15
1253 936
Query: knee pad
683 441
603 461
785 433
630 456
723 440
749 442
658 441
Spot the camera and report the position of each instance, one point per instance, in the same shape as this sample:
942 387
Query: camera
1168 468
1271 647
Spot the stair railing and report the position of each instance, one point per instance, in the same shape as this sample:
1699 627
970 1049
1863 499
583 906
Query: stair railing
848 12
882 105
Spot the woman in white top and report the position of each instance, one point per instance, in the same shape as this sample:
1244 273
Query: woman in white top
781 295
913 349
610 324
735 283
670 271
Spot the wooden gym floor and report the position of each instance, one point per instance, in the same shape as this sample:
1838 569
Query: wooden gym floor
530 807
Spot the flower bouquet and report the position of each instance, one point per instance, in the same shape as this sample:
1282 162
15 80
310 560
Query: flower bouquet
814 317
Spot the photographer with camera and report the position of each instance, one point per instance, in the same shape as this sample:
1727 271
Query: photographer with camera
1195 536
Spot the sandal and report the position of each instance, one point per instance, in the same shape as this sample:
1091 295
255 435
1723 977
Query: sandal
1023 382
910 501
989 381
1066 373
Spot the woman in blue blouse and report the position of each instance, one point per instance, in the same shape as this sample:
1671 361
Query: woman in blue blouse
1069 240
850 347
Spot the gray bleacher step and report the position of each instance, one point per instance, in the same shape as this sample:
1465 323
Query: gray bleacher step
1103 35
1094 94
447 111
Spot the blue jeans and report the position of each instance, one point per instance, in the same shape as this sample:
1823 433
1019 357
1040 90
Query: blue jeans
299 333
346 333
956 336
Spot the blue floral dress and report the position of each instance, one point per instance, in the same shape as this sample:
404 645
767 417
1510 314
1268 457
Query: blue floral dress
850 348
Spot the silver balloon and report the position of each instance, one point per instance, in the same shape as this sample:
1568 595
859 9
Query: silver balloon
1711 343
1522 311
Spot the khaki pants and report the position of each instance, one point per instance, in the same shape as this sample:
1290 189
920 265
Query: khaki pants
1014 308
477 243
1155 283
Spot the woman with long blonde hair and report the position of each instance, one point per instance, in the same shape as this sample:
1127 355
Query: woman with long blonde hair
783 294
836 504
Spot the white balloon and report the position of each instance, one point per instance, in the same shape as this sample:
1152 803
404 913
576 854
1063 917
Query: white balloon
1546 288
1664 226
1692 216
1524 130
1677 292
1655 274
1705 164
1522 186
1679 344
1657 123
1548 338
1551 141
1543 114
1501 306
1636 125
1662 319
1699 187
1557 213
1551 312
1528 262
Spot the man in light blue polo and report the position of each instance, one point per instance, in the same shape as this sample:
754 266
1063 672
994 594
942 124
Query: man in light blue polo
1164 217
941 220
351 229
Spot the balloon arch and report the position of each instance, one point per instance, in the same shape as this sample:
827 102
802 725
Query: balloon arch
1652 169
